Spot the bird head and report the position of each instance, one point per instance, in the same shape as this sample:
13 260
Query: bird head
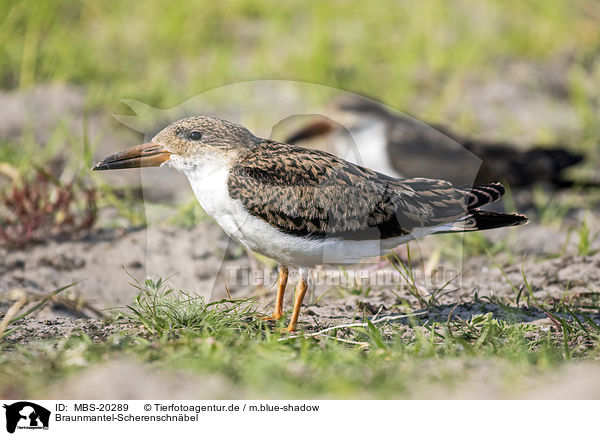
184 144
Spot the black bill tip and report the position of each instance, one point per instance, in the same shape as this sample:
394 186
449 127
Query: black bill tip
144 155
100 166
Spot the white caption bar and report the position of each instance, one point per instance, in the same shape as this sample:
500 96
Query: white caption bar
297 417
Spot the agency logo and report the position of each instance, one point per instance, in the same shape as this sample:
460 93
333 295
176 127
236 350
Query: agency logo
26 415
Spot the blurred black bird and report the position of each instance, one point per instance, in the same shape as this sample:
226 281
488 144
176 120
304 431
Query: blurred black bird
401 146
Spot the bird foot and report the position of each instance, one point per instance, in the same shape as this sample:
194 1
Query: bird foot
275 317
290 329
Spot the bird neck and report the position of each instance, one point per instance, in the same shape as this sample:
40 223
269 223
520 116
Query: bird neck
208 179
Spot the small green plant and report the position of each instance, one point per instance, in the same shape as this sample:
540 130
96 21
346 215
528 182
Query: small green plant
166 313
425 298
407 273
585 238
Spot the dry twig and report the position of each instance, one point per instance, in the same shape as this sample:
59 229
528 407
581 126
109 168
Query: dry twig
353 325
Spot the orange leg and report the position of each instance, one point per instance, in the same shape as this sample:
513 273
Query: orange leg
281 284
299 296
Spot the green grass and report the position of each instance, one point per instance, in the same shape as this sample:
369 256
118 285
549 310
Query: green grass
166 314
163 54
368 359
586 238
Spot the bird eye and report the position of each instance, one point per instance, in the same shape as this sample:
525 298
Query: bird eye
195 136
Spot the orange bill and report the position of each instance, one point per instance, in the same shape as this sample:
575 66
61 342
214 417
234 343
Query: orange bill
144 155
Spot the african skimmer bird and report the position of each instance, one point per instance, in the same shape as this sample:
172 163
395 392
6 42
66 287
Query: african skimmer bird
306 207
400 146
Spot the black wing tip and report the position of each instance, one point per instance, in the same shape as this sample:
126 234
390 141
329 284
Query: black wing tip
485 220
518 220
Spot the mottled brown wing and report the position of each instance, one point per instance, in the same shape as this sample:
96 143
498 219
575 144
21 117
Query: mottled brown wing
313 193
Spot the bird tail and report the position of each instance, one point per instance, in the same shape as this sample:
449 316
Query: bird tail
478 219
